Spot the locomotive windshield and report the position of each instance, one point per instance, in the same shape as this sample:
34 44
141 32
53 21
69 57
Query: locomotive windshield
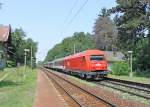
96 57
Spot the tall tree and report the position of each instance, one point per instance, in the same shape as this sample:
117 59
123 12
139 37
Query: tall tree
133 23
17 40
105 32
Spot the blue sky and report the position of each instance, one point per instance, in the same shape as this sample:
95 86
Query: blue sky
44 20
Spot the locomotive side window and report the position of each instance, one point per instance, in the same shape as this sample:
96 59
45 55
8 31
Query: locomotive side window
96 57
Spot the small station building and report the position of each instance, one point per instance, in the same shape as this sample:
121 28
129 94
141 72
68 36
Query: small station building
113 57
5 39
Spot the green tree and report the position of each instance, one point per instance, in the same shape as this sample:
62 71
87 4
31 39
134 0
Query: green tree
133 24
17 41
30 44
18 44
82 41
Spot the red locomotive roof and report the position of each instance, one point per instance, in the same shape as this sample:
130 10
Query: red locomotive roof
87 52
84 53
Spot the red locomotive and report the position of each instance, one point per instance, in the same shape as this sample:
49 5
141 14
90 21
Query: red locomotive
87 64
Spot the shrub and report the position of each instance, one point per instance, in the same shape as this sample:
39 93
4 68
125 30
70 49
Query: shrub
120 68
10 64
143 73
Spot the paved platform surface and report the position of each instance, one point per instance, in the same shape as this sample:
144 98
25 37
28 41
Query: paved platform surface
46 93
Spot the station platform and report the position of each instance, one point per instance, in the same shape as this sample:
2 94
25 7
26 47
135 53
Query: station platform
46 94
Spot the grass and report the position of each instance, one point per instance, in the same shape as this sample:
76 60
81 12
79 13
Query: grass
18 88
135 78
2 73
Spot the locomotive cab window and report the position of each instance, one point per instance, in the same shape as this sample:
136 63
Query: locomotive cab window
96 57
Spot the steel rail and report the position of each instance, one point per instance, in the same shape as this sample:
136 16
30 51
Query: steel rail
130 86
108 103
129 82
123 90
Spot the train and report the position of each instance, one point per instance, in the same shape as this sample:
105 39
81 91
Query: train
87 64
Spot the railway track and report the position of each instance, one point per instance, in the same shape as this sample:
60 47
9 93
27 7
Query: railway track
142 85
133 88
80 96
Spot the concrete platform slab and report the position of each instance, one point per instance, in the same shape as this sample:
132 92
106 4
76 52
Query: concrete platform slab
46 93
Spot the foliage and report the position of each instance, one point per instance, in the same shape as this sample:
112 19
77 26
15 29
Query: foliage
120 68
133 25
81 41
143 74
142 60
10 64
105 32
18 44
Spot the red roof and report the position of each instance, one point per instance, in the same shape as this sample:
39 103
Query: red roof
4 33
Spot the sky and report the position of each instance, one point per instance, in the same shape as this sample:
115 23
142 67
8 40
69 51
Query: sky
48 21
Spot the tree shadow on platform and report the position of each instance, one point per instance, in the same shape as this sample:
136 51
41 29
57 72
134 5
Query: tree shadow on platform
9 83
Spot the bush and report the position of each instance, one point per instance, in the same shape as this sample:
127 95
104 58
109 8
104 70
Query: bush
120 68
10 64
140 73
